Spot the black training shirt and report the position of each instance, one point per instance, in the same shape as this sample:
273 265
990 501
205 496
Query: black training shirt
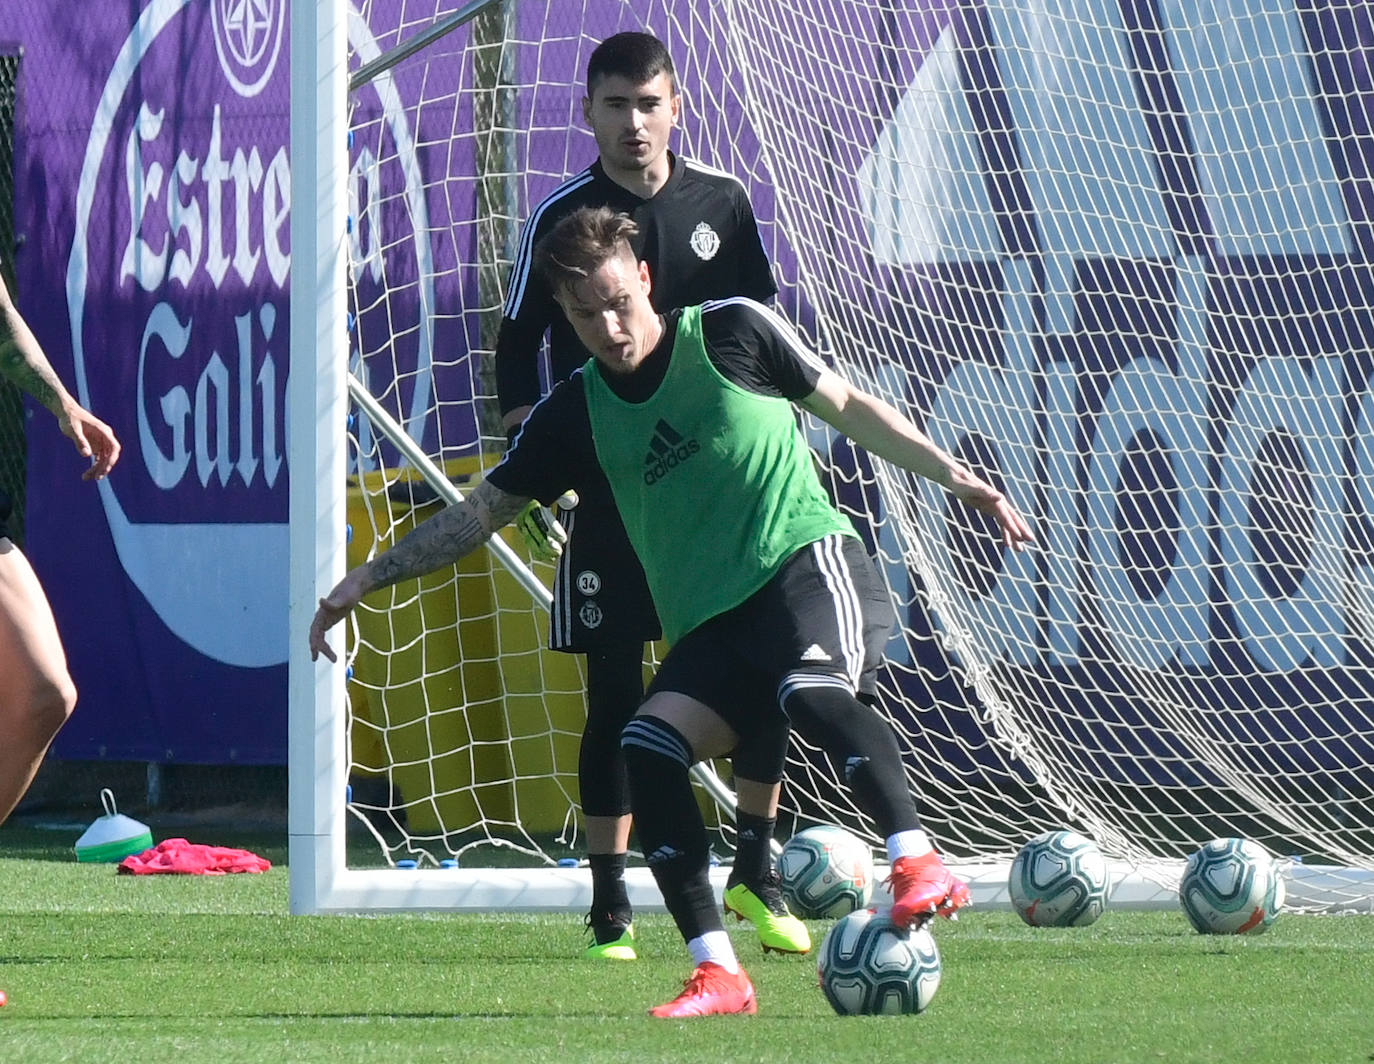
697 233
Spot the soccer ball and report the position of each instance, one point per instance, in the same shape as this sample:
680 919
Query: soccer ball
1231 887
1059 879
870 967
826 871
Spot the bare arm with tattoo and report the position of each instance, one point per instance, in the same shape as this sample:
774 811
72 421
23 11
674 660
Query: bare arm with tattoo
23 362
452 534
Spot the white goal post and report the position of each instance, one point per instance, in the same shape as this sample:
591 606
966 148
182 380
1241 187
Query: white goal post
1121 255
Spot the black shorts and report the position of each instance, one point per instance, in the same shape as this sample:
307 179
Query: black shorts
600 594
5 510
826 611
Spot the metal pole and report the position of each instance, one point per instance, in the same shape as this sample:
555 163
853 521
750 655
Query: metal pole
409 47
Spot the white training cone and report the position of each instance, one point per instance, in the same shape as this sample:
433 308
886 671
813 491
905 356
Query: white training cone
113 836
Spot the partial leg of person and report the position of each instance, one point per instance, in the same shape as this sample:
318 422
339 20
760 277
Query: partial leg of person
602 609
36 691
753 891
825 711
615 688
838 610
670 733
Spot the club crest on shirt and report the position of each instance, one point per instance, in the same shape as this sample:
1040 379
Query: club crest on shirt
705 241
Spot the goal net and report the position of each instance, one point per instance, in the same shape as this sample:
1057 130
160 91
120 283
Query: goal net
1117 256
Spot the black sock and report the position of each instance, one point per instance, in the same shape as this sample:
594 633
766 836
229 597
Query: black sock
609 897
753 848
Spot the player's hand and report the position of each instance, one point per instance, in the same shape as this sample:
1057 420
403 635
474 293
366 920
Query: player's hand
542 533
1016 532
93 439
334 607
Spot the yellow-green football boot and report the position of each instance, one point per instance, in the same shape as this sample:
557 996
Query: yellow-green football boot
613 939
762 905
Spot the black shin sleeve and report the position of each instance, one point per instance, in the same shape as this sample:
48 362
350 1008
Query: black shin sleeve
861 745
615 688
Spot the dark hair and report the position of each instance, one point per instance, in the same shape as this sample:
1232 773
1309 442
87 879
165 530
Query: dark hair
580 243
637 57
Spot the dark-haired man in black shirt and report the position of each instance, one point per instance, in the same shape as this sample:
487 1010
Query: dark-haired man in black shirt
697 232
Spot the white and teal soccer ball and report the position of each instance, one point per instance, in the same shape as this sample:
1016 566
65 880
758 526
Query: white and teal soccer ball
870 967
1059 879
826 872
1231 887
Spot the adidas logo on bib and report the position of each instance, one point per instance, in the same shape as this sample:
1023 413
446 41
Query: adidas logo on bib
667 450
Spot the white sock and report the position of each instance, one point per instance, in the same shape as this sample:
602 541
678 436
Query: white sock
914 843
714 946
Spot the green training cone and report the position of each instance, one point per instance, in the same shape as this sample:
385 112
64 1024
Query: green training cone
113 836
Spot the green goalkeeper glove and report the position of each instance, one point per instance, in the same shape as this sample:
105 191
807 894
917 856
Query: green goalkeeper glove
543 535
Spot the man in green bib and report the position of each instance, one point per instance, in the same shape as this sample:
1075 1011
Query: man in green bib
761 584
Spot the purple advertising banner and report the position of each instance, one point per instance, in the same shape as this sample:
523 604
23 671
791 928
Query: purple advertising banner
959 182
152 194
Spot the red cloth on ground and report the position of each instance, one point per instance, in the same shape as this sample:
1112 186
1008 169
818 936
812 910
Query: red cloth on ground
191 858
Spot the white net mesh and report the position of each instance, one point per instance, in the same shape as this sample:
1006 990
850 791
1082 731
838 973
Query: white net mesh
464 734
1118 256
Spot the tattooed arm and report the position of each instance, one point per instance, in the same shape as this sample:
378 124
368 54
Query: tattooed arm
23 362
451 534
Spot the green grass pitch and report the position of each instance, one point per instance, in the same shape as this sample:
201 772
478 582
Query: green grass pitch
100 967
